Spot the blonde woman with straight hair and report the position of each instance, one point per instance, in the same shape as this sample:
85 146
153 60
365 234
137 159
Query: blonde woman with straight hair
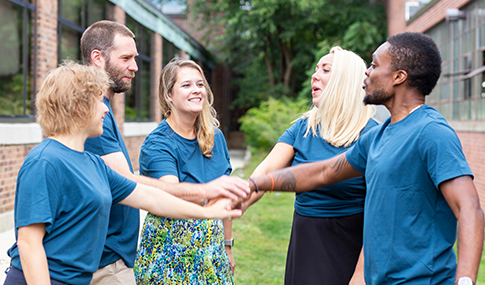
326 236
187 146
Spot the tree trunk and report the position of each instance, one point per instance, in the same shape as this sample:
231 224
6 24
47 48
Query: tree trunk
269 67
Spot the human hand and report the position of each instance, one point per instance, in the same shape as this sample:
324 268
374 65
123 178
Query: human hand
226 186
221 209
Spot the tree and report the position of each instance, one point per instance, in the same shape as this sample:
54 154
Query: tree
271 43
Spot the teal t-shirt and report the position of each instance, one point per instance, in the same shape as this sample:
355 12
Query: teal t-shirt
340 199
164 152
124 223
409 229
71 192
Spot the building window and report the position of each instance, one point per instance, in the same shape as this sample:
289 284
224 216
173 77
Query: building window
461 88
74 17
16 73
170 51
137 100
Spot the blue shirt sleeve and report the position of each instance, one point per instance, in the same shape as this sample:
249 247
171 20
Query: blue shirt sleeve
289 136
36 202
357 154
443 157
157 159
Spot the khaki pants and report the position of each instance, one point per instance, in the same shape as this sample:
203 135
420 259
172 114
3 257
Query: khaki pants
114 274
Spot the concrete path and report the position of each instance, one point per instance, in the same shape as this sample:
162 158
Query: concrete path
7 238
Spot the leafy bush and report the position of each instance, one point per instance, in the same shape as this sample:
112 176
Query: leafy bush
263 125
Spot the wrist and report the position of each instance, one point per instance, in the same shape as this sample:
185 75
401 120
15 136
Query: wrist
229 242
465 281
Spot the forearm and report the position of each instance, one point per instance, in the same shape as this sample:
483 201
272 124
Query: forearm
307 177
163 204
33 258
470 241
190 192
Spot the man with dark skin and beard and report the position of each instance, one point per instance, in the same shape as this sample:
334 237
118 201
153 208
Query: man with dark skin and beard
419 184
111 46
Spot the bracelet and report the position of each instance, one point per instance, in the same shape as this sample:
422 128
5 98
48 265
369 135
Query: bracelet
272 182
256 185
229 242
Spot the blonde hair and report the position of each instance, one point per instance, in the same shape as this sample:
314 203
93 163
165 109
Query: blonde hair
206 121
68 96
341 114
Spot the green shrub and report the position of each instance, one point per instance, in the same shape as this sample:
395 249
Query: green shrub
263 125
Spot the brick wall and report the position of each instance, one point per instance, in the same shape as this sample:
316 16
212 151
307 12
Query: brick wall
434 15
46 38
474 150
11 159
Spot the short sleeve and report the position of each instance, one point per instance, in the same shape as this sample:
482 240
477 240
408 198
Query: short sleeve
220 137
157 161
443 157
37 195
120 186
290 135
357 154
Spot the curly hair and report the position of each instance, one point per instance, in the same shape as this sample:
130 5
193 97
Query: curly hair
418 55
67 98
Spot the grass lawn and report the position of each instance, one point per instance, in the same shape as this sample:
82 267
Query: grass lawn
261 237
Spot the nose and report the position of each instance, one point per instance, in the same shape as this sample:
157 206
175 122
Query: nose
314 76
367 71
106 109
133 66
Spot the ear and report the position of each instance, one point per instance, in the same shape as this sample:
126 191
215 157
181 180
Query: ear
97 58
400 77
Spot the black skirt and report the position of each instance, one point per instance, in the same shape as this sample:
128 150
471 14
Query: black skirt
323 250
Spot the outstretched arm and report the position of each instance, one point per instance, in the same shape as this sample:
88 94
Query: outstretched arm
280 156
224 186
462 197
308 176
163 204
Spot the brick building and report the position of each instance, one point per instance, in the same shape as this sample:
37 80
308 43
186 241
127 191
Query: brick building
458 27
37 35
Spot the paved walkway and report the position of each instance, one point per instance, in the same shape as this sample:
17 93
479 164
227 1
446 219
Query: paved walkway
7 238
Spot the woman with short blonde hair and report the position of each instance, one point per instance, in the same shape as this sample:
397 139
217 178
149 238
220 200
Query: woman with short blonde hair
326 236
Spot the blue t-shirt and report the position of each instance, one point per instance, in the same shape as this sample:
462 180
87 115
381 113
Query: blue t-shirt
340 199
409 228
164 152
124 222
71 192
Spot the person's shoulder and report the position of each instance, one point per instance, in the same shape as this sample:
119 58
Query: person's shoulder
371 124
431 117
161 137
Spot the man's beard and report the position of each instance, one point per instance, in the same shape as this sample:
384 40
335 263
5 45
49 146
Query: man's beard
378 97
117 85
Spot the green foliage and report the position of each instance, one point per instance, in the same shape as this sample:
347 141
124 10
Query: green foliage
11 96
263 126
271 43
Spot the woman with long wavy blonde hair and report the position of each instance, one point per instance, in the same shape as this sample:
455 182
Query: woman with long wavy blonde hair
326 236
187 146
